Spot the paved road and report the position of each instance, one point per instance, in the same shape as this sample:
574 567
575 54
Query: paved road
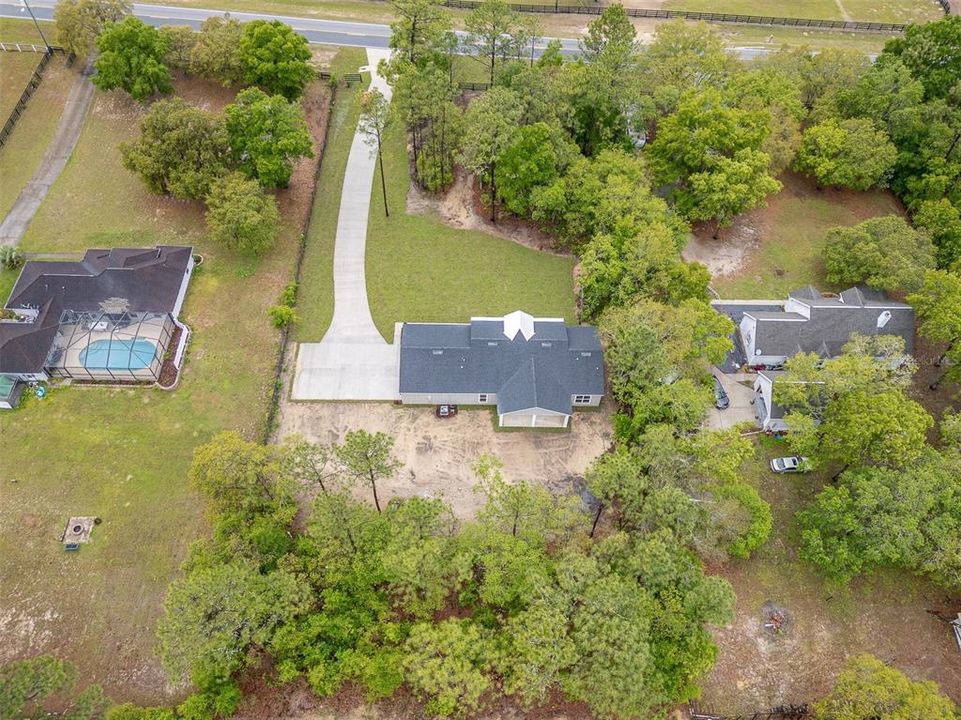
322 32
352 362
54 160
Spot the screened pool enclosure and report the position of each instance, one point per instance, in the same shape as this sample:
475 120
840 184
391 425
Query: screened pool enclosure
122 346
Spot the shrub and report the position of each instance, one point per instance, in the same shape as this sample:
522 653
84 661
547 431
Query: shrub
11 258
282 316
241 216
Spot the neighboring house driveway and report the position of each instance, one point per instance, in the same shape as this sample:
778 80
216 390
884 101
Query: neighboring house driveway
740 410
15 224
352 361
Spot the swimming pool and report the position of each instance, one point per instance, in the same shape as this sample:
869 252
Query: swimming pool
118 355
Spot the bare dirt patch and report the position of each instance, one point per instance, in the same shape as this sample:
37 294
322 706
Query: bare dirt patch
436 455
725 255
460 206
205 94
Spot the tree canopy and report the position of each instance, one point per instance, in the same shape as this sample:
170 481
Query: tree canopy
275 58
132 58
241 216
266 135
79 22
869 688
850 153
181 149
884 253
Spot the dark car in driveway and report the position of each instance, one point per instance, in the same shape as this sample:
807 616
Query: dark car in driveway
721 400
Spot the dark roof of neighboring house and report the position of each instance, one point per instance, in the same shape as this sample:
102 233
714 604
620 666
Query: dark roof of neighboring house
544 371
24 345
832 322
139 279
147 279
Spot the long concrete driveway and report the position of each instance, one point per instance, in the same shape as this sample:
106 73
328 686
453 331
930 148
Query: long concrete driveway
352 361
61 147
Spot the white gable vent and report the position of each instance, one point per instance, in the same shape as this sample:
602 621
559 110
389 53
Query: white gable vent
883 318
518 322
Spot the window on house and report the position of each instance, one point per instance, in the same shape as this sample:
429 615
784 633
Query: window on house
437 352
482 398
585 354
582 399
546 344
492 344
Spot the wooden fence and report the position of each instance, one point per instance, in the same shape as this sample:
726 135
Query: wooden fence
32 85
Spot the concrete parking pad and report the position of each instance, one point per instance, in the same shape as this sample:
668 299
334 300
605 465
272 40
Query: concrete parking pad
741 409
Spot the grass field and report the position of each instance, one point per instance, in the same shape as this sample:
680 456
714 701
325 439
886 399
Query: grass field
15 70
23 30
21 154
419 269
122 454
790 236
774 38
884 615
895 11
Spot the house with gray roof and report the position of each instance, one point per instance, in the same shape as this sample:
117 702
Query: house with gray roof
109 316
534 371
770 415
812 322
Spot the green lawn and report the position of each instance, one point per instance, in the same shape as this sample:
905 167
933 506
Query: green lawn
122 454
896 11
420 269
23 30
770 37
15 70
21 154
884 614
791 233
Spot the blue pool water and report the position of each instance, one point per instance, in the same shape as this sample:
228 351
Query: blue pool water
118 354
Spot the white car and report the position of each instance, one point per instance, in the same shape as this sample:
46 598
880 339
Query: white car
789 464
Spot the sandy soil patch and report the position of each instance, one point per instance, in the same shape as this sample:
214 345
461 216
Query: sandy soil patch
726 255
460 207
436 455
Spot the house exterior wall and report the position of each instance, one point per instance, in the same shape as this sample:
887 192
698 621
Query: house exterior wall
446 399
763 401
534 418
748 330
594 401
182 293
41 376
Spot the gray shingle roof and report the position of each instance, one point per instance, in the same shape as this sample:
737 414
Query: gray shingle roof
545 371
832 322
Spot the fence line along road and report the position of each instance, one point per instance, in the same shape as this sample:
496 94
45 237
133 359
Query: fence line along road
32 84
660 14
26 47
